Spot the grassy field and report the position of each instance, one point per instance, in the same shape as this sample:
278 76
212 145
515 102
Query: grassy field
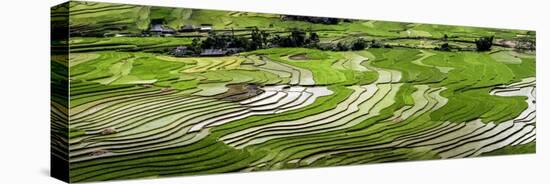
137 111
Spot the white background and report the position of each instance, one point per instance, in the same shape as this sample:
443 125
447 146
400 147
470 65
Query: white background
24 84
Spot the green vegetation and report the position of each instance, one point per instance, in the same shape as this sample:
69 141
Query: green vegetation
518 149
294 92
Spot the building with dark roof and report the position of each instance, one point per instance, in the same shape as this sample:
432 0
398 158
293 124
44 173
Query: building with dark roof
213 52
157 27
187 28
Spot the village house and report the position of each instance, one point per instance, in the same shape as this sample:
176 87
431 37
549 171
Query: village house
234 50
206 27
188 28
213 52
181 51
157 27
220 52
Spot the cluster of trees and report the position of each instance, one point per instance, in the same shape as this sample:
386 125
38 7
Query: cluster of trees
296 38
299 38
444 47
257 39
356 44
484 43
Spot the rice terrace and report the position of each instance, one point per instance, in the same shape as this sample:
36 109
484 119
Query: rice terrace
147 92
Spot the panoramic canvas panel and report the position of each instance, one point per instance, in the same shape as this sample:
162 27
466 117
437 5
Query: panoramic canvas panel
147 92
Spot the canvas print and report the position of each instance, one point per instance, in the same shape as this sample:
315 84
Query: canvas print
148 92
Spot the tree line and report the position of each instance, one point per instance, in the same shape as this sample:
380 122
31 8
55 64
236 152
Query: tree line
260 39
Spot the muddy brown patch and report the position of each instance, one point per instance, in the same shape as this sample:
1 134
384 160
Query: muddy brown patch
301 56
239 92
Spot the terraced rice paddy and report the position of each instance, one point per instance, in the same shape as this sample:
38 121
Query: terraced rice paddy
140 114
